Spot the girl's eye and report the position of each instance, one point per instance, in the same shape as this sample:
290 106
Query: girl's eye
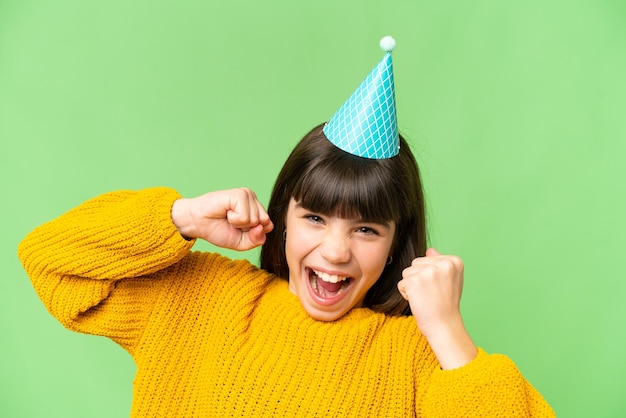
367 230
315 218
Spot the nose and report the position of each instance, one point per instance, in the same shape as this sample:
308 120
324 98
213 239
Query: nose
335 248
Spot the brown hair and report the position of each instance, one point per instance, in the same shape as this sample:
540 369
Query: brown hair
332 182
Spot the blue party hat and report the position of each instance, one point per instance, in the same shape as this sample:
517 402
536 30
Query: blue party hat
365 125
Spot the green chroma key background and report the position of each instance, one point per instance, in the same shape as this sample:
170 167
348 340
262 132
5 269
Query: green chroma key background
514 109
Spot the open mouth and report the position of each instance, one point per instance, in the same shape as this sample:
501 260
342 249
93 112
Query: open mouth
328 288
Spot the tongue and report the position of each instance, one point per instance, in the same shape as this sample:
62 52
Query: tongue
329 287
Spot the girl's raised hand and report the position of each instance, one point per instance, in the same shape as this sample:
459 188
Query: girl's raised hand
233 219
433 286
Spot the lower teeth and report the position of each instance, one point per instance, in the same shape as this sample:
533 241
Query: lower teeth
320 291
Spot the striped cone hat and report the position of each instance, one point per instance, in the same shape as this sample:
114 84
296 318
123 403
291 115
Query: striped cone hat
366 125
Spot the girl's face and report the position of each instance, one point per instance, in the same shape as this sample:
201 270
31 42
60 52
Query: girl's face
333 261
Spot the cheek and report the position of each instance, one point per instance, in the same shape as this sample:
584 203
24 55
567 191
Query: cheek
289 251
373 261
295 246
378 267
300 238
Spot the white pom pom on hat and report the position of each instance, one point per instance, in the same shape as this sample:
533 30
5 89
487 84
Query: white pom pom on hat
387 43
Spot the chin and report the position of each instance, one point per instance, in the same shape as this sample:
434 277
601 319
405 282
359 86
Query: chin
323 314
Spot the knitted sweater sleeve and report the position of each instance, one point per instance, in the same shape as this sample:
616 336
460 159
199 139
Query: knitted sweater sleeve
77 262
489 386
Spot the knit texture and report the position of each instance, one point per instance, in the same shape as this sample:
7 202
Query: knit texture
213 337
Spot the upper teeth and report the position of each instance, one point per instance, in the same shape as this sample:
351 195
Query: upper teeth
331 278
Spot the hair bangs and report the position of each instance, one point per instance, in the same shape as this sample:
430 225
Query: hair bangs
354 188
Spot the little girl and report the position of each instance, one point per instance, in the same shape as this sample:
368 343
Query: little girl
349 313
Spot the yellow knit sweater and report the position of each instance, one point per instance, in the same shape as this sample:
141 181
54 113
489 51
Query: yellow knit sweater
213 337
